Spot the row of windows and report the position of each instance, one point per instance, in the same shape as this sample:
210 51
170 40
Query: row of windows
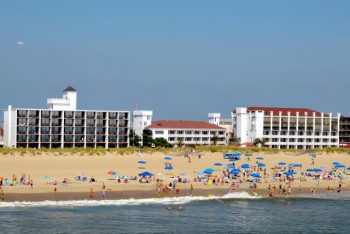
69 130
69 138
70 114
172 132
300 133
70 122
193 139
301 140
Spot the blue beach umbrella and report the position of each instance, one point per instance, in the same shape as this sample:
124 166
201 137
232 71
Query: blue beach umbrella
146 173
261 165
290 173
208 172
336 163
314 170
169 168
255 175
339 166
260 158
245 166
281 163
237 154
218 164
141 162
348 168
229 166
297 165
168 158
235 172
248 155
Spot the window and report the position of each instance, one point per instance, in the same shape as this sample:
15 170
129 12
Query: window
188 139
159 132
196 132
21 130
188 132
205 133
180 132
45 130
171 139
171 132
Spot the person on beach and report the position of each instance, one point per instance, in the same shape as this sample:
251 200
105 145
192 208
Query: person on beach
91 193
31 184
103 194
2 194
103 186
191 190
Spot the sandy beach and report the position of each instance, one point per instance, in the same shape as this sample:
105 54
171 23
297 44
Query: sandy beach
46 169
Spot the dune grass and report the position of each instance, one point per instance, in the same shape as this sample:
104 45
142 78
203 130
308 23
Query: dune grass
128 151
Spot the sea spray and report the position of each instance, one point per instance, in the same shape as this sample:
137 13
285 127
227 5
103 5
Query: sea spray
127 202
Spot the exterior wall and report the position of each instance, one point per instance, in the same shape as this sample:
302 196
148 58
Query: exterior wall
344 133
67 102
214 118
37 128
190 136
141 119
287 131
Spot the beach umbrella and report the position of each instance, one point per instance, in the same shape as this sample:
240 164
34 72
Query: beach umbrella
260 158
281 163
141 162
218 164
248 155
314 170
169 167
229 166
112 173
146 173
348 168
233 159
255 175
208 172
209 169
261 165
336 163
235 172
168 158
237 154
297 165
245 166
290 173
339 166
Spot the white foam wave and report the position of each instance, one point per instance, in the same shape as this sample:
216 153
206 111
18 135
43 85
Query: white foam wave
126 202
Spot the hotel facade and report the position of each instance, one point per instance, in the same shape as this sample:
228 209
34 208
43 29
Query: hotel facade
188 132
286 128
61 125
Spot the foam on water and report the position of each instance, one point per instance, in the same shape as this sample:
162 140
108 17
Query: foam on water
128 202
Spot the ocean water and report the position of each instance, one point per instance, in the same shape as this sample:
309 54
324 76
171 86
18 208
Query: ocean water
233 213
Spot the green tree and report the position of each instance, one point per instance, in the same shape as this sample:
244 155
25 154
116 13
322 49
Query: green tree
147 140
162 142
259 141
180 141
215 139
134 139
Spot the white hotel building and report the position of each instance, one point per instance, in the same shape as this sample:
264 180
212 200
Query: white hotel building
61 125
188 132
291 128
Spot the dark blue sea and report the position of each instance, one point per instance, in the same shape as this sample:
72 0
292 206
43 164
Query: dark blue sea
230 214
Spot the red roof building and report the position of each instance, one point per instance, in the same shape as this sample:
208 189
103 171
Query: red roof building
185 132
183 124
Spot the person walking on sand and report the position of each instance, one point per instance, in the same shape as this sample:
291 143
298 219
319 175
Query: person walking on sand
2 195
103 195
91 193
191 190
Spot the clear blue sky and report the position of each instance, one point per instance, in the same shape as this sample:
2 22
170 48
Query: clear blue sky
180 58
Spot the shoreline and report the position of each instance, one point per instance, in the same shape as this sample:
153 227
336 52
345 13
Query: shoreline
151 194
